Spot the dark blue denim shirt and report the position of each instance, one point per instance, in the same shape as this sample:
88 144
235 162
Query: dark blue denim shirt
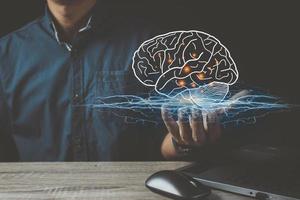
47 89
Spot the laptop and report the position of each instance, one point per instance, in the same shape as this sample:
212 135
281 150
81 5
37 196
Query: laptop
256 171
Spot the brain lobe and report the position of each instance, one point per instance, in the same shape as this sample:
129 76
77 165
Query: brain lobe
183 60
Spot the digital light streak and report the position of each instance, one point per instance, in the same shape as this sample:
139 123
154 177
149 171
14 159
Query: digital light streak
243 109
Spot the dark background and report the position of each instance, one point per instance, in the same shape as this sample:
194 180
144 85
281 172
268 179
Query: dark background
262 36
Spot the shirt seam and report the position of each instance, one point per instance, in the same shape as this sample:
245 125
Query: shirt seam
24 28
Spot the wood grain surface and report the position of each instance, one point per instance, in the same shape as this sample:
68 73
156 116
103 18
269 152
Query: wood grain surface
85 180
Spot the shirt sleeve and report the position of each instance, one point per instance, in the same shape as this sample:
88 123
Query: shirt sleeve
8 150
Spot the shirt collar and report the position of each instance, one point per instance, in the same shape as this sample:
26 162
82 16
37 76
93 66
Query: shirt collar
98 15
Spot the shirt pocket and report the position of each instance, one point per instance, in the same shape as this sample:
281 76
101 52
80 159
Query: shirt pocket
114 92
110 83
110 86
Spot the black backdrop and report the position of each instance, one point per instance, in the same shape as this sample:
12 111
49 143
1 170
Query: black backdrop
263 37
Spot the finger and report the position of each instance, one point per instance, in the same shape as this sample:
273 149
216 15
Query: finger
170 123
233 101
184 126
239 94
204 115
214 127
235 97
198 132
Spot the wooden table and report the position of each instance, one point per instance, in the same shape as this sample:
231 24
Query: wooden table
85 180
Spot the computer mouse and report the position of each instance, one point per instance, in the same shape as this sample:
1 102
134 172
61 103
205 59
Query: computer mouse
176 185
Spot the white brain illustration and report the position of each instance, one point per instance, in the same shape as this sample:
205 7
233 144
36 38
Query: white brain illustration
184 61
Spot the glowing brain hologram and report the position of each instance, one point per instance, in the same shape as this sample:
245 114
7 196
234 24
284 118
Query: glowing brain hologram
187 69
190 64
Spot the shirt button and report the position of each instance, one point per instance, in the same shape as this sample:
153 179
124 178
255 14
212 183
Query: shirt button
76 97
77 142
78 146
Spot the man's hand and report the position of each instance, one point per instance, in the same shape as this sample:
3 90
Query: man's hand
196 128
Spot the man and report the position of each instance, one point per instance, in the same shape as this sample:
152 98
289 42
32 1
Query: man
54 68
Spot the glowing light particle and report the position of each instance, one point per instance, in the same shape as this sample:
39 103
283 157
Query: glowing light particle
187 69
181 83
201 76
